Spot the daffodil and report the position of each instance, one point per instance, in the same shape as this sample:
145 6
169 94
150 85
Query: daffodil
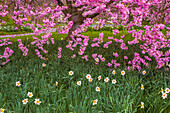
88 76
123 72
90 79
37 101
114 72
113 81
79 83
144 72
167 90
25 101
18 84
95 102
2 110
99 77
97 89
43 65
142 104
106 79
56 83
71 73
142 87
97 59
162 90
30 94
164 95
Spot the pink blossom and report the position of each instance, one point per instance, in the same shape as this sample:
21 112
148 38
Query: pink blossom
59 48
125 57
109 64
117 65
94 55
16 28
147 58
115 54
122 36
73 56
115 31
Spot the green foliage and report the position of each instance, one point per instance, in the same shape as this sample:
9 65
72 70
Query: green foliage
124 96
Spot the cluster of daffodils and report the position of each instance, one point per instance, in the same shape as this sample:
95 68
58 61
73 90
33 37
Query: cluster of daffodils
164 94
30 95
114 72
90 79
78 82
88 76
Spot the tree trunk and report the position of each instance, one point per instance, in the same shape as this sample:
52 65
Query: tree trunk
78 20
32 18
74 27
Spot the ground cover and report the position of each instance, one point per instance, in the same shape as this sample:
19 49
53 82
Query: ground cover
125 95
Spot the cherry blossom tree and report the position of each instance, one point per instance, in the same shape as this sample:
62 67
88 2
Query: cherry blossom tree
78 15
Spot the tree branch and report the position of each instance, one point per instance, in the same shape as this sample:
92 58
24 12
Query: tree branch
60 3
96 14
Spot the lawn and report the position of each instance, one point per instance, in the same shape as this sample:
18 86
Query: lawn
91 34
11 33
124 96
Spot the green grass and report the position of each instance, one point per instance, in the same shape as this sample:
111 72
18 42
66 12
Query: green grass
122 97
92 35
11 33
